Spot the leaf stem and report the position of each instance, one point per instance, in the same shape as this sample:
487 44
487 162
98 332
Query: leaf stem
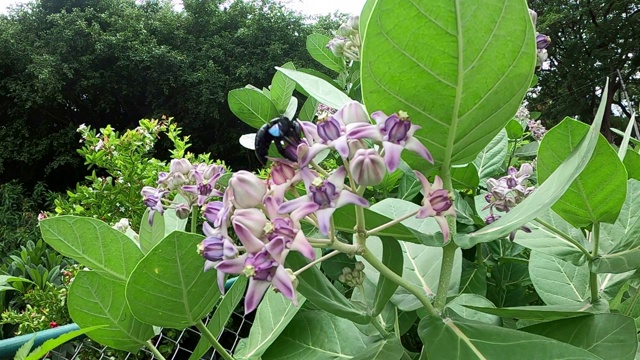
391 223
565 236
153 350
376 323
593 277
194 218
449 250
216 345
316 261
389 274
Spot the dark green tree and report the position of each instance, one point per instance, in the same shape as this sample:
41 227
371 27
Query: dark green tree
591 40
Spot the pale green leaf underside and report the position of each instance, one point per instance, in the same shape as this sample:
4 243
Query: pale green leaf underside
459 68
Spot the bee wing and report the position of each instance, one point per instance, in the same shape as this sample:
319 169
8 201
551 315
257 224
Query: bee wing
248 141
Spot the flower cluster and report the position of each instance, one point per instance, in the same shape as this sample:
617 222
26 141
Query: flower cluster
542 41
265 215
537 129
507 192
346 42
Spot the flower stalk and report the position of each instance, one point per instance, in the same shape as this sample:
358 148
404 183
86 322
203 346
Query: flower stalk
212 340
593 277
448 252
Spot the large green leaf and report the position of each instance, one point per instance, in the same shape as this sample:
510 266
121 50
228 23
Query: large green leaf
624 145
252 107
96 300
318 88
169 288
319 291
609 336
491 158
558 282
282 89
620 241
473 279
382 349
466 177
274 314
42 351
549 236
92 243
221 315
171 220
632 164
317 48
597 194
317 335
547 194
464 68
461 305
542 313
393 259
421 267
446 339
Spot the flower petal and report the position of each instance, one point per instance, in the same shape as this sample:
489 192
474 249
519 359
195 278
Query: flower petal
232 266
282 282
444 227
301 245
291 205
417 147
324 219
347 197
392 155
251 243
363 131
311 153
379 117
255 292
303 211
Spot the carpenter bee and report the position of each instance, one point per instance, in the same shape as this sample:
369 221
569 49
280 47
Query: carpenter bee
284 133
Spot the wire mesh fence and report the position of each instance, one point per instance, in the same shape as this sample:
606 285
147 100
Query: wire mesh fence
173 344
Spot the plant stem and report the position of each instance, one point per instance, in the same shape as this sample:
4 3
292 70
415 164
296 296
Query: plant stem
348 249
376 323
446 269
513 152
318 260
194 218
593 277
566 237
154 350
216 345
389 274
391 223
449 251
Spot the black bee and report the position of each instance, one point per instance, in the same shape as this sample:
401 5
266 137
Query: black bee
283 132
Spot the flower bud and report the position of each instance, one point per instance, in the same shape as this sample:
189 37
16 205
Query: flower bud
247 189
344 30
281 173
367 167
534 17
336 45
253 219
176 181
182 166
211 211
525 169
354 22
183 211
542 41
352 112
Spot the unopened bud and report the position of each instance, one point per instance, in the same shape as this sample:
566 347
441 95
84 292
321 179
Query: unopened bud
182 166
367 167
247 189
183 211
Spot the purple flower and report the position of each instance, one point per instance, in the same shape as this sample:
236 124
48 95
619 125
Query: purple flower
287 229
396 134
323 197
283 175
437 203
542 41
367 167
215 247
153 200
204 187
247 189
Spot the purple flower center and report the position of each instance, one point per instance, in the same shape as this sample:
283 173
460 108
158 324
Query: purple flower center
212 248
204 189
282 227
261 266
440 200
324 194
395 129
151 201
329 129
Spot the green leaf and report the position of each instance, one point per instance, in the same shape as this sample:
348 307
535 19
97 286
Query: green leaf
597 194
558 282
460 305
252 107
169 288
23 351
318 88
92 243
382 349
274 313
506 283
171 221
317 335
619 243
633 140
466 177
490 160
542 313
477 69
553 240
314 286
609 336
96 300
473 279
51 344
624 145
151 234
421 267
221 316
308 111
282 89
317 48
632 164
547 194
514 130
530 149
392 258
446 339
